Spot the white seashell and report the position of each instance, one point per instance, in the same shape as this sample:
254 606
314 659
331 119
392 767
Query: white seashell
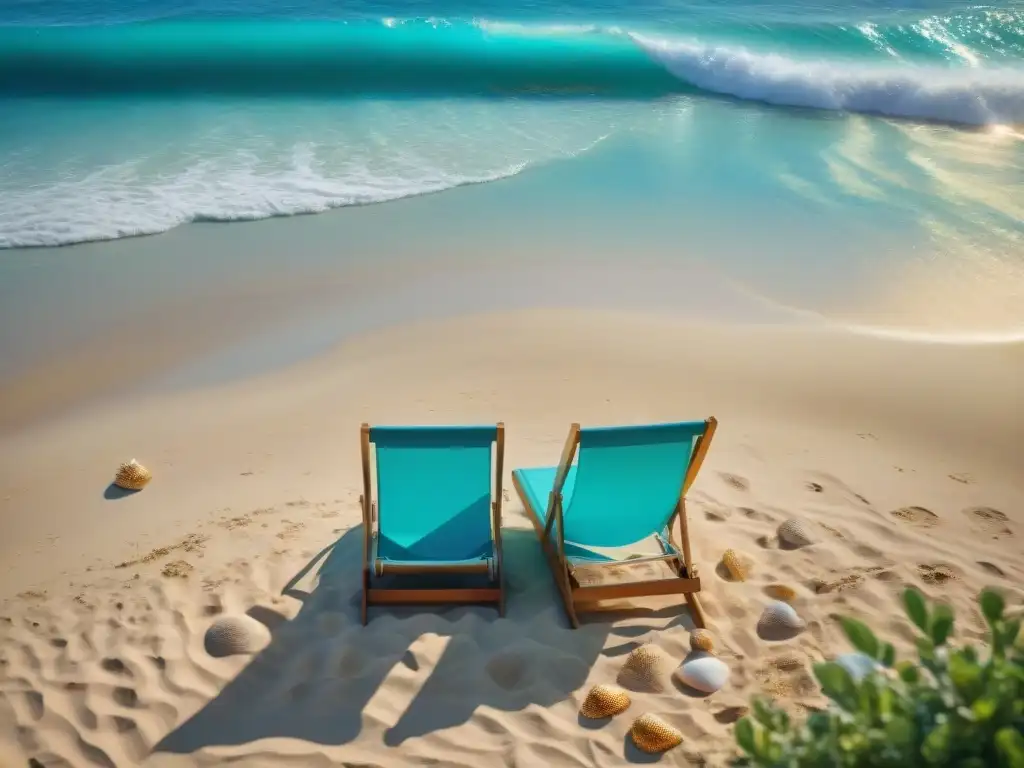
795 533
703 672
235 635
779 621
859 665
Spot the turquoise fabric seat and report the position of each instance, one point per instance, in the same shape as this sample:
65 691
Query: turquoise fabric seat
625 487
434 509
434 494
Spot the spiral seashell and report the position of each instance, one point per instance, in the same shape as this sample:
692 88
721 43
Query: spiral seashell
779 621
647 668
703 672
132 476
701 640
234 635
652 734
604 701
780 592
736 565
795 533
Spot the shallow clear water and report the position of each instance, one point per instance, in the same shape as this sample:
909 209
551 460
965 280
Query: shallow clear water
861 161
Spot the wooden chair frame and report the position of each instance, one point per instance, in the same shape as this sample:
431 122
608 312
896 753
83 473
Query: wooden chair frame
413 596
552 538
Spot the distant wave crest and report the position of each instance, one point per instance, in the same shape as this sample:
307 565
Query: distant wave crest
453 57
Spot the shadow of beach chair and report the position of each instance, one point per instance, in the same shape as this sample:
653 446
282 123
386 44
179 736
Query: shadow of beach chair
627 486
433 518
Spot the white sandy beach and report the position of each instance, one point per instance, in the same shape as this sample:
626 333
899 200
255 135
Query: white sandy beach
904 457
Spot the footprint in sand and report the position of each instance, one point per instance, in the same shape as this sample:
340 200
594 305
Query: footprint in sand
990 520
754 514
126 697
717 513
919 516
992 568
509 671
937 574
735 481
115 667
730 715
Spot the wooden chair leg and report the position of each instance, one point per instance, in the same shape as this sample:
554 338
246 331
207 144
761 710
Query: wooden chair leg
696 610
501 588
366 592
561 576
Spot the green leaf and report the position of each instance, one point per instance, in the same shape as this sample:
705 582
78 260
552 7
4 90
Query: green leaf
1010 744
888 655
916 608
925 649
966 676
900 731
1011 630
745 736
908 672
992 605
837 684
935 749
763 712
942 624
983 709
860 636
763 742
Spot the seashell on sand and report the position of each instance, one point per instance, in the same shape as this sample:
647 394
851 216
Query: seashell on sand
132 476
779 621
703 672
859 665
795 533
647 668
234 635
652 734
605 701
780 592
701 640
737 566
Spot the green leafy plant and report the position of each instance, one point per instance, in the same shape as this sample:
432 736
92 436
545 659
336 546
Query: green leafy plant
951 708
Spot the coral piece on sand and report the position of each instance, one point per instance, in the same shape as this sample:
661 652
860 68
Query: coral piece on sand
604 701
780 592
701 640
132 476
652 734
736 565
647 668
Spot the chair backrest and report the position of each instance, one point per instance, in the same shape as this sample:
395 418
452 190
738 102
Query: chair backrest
434 488
628 481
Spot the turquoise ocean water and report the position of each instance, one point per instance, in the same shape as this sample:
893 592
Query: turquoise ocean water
879 143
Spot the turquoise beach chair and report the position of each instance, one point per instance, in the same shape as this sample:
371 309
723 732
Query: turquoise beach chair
628 484
434 513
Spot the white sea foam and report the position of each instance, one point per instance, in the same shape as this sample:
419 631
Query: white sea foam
974 96
240 164
113 202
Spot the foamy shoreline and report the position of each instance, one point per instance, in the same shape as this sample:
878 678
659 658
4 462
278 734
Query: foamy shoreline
901 457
